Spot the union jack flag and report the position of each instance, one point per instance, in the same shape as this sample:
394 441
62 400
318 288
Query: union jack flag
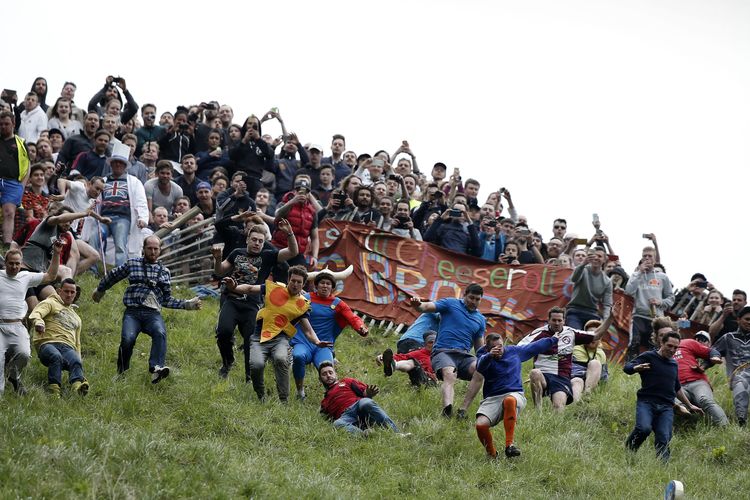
117 189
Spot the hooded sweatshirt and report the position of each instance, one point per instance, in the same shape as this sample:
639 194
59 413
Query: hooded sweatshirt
644 286
61 323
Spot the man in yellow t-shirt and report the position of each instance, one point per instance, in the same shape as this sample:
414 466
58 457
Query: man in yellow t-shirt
284 308
589 364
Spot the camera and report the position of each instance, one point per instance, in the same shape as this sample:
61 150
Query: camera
702 284
377 162
492 223
509 259
393 177
402 220
437 194
339 195
183 126
454 212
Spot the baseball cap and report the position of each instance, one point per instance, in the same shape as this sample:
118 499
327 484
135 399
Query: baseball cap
440 165
203 185
702 334
316 147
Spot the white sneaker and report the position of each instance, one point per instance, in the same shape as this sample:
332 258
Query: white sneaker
160 372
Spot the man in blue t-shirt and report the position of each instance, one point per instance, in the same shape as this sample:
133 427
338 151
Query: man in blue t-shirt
461 327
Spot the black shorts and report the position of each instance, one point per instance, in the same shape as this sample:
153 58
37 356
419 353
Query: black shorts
556 383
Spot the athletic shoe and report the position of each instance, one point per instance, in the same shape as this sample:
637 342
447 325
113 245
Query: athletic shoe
54 390
417 375
741 422
388 364
447 411
80 387
18 386
512 451
461 414
160 373
224 371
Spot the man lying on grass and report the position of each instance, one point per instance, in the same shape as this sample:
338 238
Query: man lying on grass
348 402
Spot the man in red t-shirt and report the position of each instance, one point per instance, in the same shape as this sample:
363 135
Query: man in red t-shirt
693 378
348 402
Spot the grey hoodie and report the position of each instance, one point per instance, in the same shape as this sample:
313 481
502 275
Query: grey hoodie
644 286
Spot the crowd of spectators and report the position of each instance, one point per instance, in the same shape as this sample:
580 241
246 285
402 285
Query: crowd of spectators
142 172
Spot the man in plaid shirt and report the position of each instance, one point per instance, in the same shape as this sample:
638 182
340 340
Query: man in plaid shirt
149 291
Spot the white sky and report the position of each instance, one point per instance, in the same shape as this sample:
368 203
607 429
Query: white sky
636 110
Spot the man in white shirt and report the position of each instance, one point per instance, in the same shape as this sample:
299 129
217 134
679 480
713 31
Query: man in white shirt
33 119
14 339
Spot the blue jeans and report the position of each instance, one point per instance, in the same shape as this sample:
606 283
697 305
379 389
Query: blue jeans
577 318
57 357
363 414
120 230
652 416
304 354
149 321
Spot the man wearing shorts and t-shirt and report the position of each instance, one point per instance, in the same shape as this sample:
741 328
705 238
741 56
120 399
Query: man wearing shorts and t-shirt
552 368
499 367
461 326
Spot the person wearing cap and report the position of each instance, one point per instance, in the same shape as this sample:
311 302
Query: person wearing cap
123 201
438 171
300 208
205 199
329 315
93 163
416 364
735 348
499 373
690 358
315 157
660 385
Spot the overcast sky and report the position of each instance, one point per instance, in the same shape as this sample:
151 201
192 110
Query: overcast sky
635 110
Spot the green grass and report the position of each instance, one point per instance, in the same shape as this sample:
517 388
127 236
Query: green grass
196 436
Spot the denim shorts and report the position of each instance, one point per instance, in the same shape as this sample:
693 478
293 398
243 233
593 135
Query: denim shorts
11 191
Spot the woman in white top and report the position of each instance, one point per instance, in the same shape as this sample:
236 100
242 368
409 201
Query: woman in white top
61 119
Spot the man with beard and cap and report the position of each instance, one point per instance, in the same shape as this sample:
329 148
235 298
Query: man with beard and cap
735 348
329 315
252 155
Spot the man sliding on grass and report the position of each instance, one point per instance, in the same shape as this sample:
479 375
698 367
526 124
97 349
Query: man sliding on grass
500 368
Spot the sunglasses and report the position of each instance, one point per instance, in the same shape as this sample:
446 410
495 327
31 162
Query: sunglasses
560 227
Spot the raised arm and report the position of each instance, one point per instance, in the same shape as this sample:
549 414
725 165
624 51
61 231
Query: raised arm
422 307
54 263
292 249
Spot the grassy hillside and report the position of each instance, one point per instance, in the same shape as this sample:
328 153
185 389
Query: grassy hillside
194 435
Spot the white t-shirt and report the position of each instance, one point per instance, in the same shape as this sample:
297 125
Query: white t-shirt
78 199
13 293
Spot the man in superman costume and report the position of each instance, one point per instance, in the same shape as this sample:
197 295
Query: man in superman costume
329 315
284 309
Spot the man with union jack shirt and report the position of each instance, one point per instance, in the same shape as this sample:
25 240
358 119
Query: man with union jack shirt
552 368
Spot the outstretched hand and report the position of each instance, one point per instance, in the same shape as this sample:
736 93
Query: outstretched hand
415 302
372 391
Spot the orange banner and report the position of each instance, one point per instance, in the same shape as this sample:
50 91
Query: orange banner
388 269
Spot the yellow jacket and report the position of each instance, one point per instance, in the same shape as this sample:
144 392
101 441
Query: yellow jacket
23 159
280 311
61 323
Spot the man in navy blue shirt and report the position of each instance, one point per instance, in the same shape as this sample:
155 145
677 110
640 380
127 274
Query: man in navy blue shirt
461 327
659 386
499 366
